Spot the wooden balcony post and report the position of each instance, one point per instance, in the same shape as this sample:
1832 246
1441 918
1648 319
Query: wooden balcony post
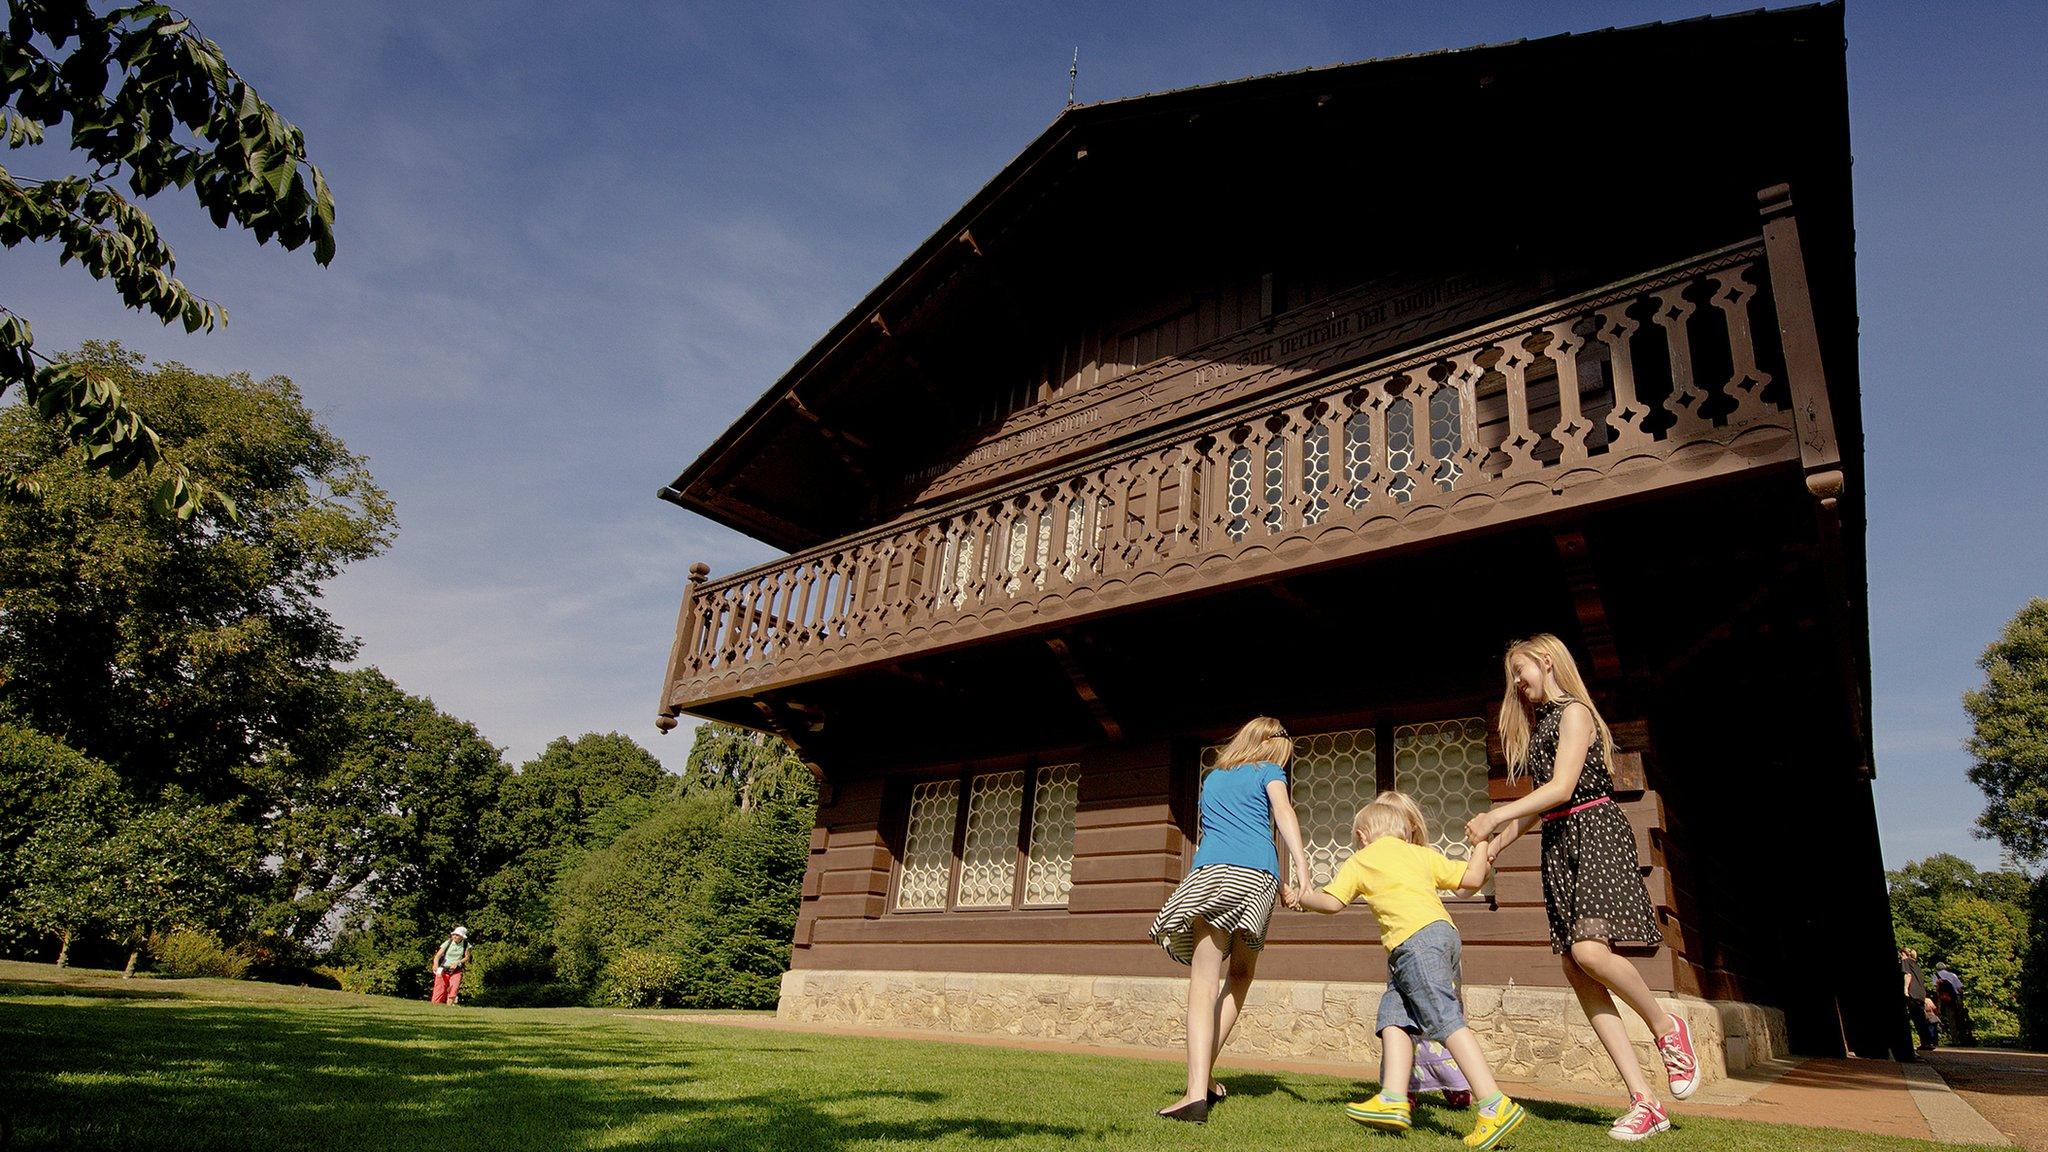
1674 315
1572 427
678 652
1819 453
1732 293
1625 422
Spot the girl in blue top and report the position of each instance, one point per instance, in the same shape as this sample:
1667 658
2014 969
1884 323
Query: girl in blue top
1220 910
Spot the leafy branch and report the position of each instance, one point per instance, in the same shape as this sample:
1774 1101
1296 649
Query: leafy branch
147 96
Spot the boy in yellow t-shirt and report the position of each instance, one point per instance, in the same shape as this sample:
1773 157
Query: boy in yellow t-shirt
1399 876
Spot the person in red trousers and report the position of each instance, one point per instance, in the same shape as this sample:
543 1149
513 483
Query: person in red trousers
449 961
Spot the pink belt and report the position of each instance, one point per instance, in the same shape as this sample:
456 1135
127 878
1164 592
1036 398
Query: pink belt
1561 813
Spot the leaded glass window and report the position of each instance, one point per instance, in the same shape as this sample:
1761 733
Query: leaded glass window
1077 515
1357 459
1276 458
988 857
1049 863
928 845
1239 494
1446 436
989 833
1401 448
1315 472
1442 766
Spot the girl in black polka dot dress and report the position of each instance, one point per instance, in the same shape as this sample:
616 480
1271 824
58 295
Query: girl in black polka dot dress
1592 882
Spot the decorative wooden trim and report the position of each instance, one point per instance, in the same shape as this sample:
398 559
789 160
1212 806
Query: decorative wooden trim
856 602
1819 453
686 619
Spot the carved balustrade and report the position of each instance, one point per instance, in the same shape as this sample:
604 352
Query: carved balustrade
1647 382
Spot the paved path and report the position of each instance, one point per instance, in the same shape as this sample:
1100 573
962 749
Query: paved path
2008 1088
1876 1096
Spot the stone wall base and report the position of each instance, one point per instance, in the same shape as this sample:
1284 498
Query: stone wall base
1527 1033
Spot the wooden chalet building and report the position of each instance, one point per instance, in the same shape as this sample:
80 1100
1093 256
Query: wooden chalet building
1305 394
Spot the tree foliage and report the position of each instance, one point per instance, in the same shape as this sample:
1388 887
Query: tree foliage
152 105
2009 738
1976 922
575 794
176 864
57 809
68 799
757 768
191 652
402 804
693 907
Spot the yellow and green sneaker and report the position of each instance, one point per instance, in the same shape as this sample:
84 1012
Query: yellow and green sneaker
1381 1113
1489 1130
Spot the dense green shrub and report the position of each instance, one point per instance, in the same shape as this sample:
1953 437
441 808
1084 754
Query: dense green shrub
520 978
646 978
191 952
373 976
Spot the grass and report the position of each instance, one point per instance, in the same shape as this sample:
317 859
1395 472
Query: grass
98 1063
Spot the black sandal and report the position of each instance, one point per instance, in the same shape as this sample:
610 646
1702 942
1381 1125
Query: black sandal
1194 1112
1221 1092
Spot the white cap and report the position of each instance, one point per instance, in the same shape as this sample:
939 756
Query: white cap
461 931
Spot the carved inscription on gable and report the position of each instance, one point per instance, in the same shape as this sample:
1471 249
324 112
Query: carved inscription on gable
1341 329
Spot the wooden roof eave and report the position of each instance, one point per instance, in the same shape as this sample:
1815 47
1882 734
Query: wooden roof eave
688 489
700 488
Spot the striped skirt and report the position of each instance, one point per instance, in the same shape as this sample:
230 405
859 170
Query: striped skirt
1227 897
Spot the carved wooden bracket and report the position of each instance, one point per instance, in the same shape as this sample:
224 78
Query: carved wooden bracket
1598 635
1084 688
781 727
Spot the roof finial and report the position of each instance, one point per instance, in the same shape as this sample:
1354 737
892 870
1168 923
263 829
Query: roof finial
1073 75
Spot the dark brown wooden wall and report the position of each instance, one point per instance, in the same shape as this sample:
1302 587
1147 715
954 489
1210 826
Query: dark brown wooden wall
1129 851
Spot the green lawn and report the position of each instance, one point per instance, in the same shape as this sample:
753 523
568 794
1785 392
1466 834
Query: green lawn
201 1064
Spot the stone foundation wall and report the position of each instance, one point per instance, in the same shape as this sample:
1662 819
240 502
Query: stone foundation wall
1527 1033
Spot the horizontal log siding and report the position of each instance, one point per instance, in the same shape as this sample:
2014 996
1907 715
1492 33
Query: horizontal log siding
1129 850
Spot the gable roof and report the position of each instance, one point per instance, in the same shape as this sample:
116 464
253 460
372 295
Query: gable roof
702 486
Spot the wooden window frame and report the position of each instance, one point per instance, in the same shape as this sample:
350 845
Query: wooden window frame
964 776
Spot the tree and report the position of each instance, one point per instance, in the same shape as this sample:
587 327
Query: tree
64 883
560 803
175 864
57 809
146 97
649 890
182 652
1977 922
694 906
2034 969
404 799
60 795
755 766
2009 741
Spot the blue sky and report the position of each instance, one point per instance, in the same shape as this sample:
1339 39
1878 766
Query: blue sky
576 241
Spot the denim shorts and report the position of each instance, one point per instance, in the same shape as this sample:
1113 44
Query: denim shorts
1422 995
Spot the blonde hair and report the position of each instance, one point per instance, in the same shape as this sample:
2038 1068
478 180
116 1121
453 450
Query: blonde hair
1516 714
1390 814
1262 740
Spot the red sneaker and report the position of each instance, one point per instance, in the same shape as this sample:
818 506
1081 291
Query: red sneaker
1644 1119
1679 1062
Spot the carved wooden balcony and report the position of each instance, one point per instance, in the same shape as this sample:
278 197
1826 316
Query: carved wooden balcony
1671 377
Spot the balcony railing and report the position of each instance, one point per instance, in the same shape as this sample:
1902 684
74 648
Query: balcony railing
1648 382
